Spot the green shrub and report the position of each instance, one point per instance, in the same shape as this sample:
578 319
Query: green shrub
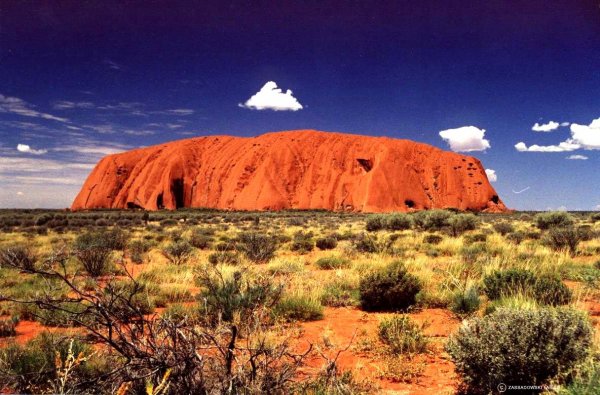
137 249
516 237
224 257
224 298
433 239
460 223
564 238
201 241
375 223
508 282
332 262
475 238
554 219
365 242
586 381
398 221
551 291
491 350
432 219
465 301
225 246
391 288
298 308
545 289
504 228
257 247
303 242
326 243
18 256
178 252
402 335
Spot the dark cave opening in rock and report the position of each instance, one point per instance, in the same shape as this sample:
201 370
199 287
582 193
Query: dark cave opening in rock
409 203
495 199
132 205
177 191
159 201
366 164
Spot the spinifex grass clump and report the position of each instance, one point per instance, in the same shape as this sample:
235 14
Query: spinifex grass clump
543 289
333 262
402 335
178 252
490 350
298 308
465 301
391 288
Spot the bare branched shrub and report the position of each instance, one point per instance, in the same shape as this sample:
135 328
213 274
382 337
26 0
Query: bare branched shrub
221 356
19 256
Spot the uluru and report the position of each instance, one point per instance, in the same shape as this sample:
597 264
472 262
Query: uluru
300 169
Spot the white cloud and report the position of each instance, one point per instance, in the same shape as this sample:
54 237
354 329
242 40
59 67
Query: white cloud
491 175
547 127
577 157
18 106
597 208
588 136
465 139
11 165
582 137
180 111
67 105
91 149
270 97
565 146
565 123
27 149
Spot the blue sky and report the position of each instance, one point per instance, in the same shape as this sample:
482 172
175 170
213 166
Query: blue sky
82 80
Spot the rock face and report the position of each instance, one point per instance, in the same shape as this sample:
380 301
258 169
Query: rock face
303 169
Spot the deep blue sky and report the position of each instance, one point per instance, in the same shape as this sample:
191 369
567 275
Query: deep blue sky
141 73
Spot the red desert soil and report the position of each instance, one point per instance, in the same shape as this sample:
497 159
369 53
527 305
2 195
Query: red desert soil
341 326
303 169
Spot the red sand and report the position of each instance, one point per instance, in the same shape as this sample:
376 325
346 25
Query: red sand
341 326
303 169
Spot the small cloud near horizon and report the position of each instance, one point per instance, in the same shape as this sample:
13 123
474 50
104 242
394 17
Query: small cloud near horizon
270 97
577 157
28 150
